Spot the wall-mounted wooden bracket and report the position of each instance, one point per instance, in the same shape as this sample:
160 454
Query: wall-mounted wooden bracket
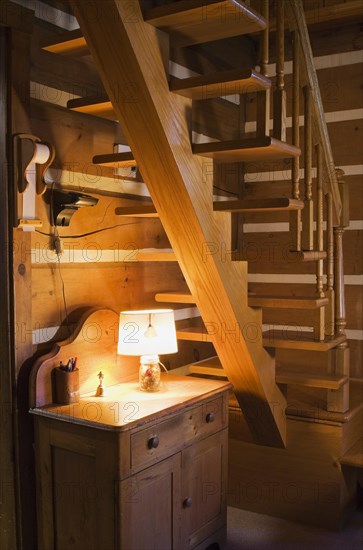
32 157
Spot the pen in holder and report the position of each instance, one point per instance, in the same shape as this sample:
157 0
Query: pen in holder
66 386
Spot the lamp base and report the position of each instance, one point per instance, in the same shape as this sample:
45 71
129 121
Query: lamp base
149 373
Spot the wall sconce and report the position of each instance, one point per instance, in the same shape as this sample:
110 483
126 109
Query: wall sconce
148 334
66 203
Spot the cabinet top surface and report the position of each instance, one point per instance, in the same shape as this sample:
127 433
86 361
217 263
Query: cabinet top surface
125 406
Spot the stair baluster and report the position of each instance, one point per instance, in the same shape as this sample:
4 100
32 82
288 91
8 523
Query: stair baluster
308 212
320 322
329 293
263 98
295 217
279 123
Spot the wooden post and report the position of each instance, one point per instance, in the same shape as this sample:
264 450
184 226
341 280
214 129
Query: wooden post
308 211
279 124
339 401
263 98
295 216
329 292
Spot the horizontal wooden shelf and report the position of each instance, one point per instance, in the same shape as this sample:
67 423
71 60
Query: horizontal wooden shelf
258 205
250 149
96 106
310 380
220 84
290 256
354 456
286 302
270 339
284 339
116 160
195 21
156 256
68 43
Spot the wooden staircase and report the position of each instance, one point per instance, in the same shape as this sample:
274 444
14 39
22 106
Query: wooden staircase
136 50
188 218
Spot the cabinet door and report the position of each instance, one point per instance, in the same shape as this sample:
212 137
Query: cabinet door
150 508
204 477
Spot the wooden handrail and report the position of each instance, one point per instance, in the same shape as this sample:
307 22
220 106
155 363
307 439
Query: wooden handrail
297 22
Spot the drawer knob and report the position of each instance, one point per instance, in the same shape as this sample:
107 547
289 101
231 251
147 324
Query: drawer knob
209 418
153 442
187 502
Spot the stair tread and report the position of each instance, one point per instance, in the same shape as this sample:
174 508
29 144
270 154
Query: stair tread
97 106
292 256
156 255
115 159
224 83
311 380
212 367
258 205
303 340
193 22
254 300
143 211
67 43
272 339
247 149
288 302
175 297
354 455
239 205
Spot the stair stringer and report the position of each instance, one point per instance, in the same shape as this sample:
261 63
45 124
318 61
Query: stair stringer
157 124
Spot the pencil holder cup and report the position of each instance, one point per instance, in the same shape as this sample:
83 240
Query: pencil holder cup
66 386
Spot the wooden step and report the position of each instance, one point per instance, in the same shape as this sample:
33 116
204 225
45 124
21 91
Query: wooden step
271 339
115 160
155 255
143 211
310 380
240 205
293 256
250 149
97 106
197 21
224 83
354 456
254 300
212 367
175 297
68 43
258 205
285 302
284 339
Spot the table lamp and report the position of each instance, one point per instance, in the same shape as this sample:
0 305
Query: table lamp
148 333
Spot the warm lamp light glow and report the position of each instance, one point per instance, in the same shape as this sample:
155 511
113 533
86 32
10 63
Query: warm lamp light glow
148 332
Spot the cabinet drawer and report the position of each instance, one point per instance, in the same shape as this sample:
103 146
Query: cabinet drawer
165 438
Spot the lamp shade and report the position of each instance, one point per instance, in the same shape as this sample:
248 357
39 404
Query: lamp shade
147 332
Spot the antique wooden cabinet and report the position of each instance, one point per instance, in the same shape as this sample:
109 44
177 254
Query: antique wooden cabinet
134 470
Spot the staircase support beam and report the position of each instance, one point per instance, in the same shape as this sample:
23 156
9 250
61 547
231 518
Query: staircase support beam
128 52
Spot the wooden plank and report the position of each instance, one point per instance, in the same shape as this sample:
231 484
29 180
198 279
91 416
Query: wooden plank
69 43
175 297
143 211
260 205
162 152
97 106
220 84
331 381
193 22
299 340
284 302
116 160
248 149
